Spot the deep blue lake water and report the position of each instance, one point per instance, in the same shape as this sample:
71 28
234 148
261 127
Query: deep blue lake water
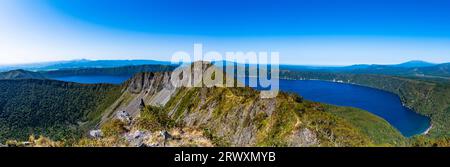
384 104
89 79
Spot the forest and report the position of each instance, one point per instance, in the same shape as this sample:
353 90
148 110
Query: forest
55 109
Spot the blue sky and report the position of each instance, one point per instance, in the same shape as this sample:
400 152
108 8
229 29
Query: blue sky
312 32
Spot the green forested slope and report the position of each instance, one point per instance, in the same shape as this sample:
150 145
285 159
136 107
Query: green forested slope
115 71
239 117
428 97
51 108
21 74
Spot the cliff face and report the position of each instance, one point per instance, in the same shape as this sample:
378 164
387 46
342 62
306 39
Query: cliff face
154 89
58 110
151 88
239 117
232 115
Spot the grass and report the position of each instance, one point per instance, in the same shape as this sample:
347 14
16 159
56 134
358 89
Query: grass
377 129
234 109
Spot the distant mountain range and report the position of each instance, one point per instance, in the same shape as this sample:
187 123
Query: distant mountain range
404 69
83 63
415 68
21 74
415 63
411 68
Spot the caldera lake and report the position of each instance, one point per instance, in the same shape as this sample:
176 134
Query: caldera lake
381 103
93 79
384 104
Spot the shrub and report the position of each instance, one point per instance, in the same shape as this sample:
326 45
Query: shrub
113 128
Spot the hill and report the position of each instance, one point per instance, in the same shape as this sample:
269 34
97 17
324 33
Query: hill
55 109
83 63
414 64
427 97
102 64
21 74
442 70
408 69
114 71
432 71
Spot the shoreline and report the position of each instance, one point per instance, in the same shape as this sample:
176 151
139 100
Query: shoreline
428 130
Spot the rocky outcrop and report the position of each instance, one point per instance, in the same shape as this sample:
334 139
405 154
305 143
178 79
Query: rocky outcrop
137 138
124 117
304 138
143 89
233 116
150 88
97 133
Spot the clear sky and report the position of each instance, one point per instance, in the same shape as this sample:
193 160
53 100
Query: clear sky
311 32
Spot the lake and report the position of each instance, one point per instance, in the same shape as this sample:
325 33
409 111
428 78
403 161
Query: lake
91 79
382 103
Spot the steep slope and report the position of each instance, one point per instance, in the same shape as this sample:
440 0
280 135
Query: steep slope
239 117
55 109
430 98
151 88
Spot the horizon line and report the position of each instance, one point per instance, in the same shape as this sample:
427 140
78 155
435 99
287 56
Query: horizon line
306 64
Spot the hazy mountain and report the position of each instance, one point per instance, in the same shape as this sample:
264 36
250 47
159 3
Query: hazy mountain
21 74
405 69
415 63
113 71
104 63
436 70
83 63
414 68
411 68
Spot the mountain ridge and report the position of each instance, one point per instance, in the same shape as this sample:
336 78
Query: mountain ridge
21 74
80 63
239 117
415 63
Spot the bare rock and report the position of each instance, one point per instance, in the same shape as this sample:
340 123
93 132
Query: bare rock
124 117
96 133
304 138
